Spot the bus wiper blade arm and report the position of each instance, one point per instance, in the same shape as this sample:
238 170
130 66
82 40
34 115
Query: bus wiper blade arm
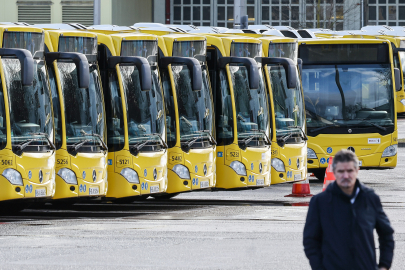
165 146
137 147
304 136
373 124
321 128
213 141
281 141
47 137
105 148
74 147
22 145
264 133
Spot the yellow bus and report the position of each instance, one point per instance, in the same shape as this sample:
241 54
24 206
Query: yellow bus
26 124
136 138
189 113
289 141
349 88
241 111
79 115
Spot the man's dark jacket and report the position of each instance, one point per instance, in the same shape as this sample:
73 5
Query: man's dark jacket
339 235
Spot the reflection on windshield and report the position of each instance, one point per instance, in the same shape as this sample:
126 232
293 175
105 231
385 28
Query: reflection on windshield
195 107
145 112
285 50
252 112
288 103
30 107
34 42
402 60
83 106
348 95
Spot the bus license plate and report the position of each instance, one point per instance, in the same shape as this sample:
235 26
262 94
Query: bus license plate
204 184
259 182
360 163
40 192
154 189
297 177
93 191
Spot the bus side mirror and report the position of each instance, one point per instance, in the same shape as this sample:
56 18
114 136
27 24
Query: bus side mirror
397 76
289 66
141 64
249 63
26 62
80 61
299 62
192 64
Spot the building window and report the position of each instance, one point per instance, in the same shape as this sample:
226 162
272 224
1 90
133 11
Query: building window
386 12
196 12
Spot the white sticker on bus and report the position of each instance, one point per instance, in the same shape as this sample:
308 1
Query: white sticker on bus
374 140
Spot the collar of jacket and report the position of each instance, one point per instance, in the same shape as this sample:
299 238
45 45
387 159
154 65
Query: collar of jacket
335 189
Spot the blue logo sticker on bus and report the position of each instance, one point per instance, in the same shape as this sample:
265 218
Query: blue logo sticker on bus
29 174
146 186
220 154
327 161
145 173
329 150
193 181
110 162
30 188
196 181
143 186
323 160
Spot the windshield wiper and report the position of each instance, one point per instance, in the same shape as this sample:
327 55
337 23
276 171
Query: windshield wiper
264 133
244 143
105 148
134 149
74 147
213 141
160 137
186 120
20 147
304 136
282 140
323 127
373 124
47 137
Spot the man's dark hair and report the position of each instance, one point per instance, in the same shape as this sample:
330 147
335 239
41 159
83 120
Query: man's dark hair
345 156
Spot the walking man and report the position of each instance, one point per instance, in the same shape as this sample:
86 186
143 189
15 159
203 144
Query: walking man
338 232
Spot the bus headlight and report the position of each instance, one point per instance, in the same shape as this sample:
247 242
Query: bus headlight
403 101
13 176
68 176
390 151
181 171
278 164
238 167
311 153
130 175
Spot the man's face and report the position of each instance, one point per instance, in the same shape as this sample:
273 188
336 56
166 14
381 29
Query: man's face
346 174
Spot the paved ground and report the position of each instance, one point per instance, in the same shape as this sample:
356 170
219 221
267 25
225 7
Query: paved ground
258 229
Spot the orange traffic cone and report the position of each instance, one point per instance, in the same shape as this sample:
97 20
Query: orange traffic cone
300 189
329 175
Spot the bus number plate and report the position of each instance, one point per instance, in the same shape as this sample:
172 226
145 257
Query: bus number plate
204 184
154 189
40 192
259 182
93 191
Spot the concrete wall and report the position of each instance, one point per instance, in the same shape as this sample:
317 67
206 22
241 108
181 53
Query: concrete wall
159 11
8 11
128 12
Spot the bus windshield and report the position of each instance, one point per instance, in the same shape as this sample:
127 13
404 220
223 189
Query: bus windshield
145 111
348 95
250 104
288 103
195 107
83 106
30 107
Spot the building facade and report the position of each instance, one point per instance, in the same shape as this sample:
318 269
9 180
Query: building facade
333 14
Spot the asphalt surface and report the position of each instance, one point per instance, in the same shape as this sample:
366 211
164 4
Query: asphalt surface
252 229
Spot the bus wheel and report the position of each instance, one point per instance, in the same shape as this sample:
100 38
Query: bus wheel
165 196
320 174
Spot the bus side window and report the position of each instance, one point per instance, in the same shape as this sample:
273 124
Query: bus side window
57 118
